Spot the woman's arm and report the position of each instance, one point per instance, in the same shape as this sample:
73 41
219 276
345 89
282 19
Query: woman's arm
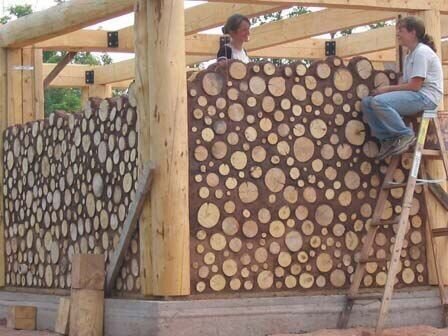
414 84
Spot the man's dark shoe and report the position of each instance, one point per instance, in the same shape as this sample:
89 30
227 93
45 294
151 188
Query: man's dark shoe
386 147
402 144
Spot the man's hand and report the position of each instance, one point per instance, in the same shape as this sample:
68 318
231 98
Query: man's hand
381 90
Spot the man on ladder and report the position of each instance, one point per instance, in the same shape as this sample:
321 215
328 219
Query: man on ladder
421 90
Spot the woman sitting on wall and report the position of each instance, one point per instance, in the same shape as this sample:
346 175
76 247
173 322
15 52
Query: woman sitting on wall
238 28
421 89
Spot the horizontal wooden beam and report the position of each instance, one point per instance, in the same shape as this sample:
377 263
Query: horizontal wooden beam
211 15
73 75
197 19
115 72
312 24
90 40
391 5
61 19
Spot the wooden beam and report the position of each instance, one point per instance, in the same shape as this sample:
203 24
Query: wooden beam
72 75
115 72
312 24
212 15
90 40
391 5
197 19
129 226
58 68
168 269
61 19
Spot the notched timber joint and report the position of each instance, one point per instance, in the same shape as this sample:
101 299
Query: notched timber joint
330 48
90 77
112 39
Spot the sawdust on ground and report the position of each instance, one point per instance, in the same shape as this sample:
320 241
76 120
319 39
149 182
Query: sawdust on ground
404 331
10 332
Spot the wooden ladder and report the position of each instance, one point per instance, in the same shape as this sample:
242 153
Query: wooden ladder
403 221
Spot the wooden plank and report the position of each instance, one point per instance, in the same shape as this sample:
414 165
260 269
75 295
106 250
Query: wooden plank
167 117
141 90
63 316
21 318
86 312
27 85
129 226
14 92
3 125
312 24
58 68
61 19
38 84
88 271
392 5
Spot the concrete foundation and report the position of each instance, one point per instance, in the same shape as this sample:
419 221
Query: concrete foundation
238 317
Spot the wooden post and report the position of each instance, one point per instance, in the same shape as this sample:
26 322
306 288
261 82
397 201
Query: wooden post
84 95
100 91
27 85
400 51
435 168
141 88
14 92
166 257
3 125
38 84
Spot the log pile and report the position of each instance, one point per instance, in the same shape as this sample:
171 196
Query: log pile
283 180
68 183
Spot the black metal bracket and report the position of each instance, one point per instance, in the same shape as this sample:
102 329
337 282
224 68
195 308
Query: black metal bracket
90 77
330 48
112 39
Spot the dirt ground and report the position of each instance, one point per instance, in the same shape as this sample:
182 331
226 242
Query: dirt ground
9 332
405 331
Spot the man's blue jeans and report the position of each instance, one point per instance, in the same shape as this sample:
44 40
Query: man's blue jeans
383 112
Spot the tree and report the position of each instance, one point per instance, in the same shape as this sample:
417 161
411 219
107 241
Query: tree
15 12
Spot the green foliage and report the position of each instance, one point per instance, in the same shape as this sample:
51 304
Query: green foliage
69 99
15 12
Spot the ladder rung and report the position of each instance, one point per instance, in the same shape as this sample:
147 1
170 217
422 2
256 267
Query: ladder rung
366 297
392 221
371 259
432 152
394 185
440 232
427 152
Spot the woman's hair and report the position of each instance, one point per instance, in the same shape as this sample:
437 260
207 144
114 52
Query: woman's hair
413 23
233 23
